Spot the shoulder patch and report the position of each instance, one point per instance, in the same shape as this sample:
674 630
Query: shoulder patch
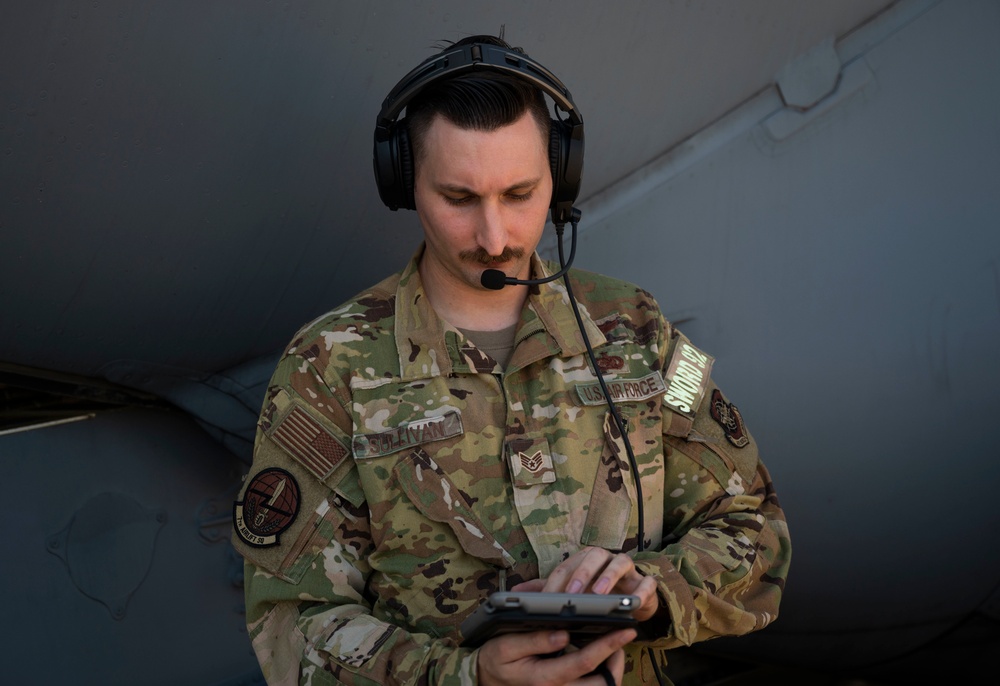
687 378
309 442
730 419
268 508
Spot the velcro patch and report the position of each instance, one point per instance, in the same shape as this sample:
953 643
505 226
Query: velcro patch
309 442
408 435
622 389
687 378
356 640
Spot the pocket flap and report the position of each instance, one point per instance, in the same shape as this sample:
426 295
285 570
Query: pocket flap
434 494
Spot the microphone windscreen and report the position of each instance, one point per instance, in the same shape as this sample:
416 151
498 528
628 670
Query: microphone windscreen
493 279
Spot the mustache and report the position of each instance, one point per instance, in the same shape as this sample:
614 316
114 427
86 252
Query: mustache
481 257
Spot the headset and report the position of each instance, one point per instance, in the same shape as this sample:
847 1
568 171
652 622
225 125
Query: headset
393 158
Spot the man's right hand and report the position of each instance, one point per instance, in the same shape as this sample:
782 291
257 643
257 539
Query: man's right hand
517 659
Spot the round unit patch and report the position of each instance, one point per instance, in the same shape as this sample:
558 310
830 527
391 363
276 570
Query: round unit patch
268 508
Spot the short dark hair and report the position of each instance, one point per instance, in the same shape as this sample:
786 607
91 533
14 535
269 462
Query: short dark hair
479 100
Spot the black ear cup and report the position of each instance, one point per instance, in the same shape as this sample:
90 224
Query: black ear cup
556 161
393 159
406 167
393 166
566 161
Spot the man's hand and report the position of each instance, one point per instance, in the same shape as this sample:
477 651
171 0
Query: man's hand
519 659
595 570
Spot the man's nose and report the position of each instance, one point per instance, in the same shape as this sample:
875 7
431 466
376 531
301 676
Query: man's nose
492 236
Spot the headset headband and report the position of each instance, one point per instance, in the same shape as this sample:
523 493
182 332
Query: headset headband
463 58
392 155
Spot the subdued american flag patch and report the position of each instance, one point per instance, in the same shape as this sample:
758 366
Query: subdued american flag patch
309 442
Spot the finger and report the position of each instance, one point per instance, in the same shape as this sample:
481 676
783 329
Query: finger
557 579
620 567
616 665
649 601
576 573
608 673
512 658
630 582
529 586
645 588
517 646
589 658
630 579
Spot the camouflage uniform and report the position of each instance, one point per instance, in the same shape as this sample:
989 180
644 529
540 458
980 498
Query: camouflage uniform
400 475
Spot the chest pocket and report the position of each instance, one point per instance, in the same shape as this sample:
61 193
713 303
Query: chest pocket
431 491
613 494
613 516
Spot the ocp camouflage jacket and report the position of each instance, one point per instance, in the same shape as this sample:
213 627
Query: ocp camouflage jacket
400 476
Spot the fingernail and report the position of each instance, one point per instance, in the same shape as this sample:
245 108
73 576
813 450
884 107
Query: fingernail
601 585
575 586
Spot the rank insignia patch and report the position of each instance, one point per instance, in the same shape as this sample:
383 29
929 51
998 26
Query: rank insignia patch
730 419
530 462
533 463
268 508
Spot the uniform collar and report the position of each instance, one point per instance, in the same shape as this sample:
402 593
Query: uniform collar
429 346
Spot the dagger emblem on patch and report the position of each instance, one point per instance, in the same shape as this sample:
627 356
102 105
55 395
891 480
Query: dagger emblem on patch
270 503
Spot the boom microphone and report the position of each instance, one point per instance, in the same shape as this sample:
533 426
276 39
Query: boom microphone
494 279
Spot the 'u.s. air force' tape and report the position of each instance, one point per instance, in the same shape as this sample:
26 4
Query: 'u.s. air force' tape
687 378
622 389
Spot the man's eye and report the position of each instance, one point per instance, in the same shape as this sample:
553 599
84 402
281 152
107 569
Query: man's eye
464 200
520 197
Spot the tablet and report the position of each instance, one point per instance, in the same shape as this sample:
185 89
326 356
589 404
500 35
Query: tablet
584 615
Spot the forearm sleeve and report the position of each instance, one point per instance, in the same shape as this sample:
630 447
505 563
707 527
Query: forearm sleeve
722 569
315 633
